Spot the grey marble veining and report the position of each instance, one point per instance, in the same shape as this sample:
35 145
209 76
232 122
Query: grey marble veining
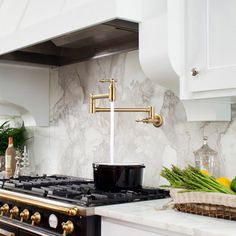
75 139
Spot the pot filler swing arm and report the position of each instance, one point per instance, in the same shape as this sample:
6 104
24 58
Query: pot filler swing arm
155 119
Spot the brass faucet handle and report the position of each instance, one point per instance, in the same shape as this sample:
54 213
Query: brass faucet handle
157 120
112 89
142 120
107 81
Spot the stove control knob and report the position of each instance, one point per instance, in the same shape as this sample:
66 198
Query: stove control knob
4 209
36 218
14 212
24 215
67 227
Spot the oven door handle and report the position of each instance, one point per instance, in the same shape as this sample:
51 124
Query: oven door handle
25 227
4 232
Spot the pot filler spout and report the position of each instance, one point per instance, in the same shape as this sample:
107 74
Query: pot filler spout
152 118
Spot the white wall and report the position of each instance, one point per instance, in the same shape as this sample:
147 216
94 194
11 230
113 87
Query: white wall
24 91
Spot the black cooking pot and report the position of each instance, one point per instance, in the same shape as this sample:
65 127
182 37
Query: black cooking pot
113 177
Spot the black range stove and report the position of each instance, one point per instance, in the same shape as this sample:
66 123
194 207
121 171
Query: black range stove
64 204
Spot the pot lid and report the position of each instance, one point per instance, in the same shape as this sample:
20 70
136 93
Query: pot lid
117 164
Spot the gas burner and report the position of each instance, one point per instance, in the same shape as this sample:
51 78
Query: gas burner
77 190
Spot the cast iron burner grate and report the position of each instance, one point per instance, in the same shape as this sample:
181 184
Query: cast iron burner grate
77 190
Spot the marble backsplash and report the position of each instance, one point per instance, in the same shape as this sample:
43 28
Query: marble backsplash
75 139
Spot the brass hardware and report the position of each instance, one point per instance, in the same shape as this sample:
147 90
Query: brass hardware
157 121
122 109
112 88
37 203
67 227
106 80
152 118
111 95
194 72
24 215
4 209
72 211
36 218
14 212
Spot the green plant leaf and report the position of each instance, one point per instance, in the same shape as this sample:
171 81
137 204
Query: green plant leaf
18 134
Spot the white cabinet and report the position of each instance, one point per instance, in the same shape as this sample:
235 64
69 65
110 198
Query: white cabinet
118 228
189 34
210 44
204 33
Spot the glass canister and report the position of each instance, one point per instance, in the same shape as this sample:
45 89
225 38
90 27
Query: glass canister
205 158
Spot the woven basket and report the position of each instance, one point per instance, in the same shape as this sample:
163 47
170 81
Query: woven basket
216 205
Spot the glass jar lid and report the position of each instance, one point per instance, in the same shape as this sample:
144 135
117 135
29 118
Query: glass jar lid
205 149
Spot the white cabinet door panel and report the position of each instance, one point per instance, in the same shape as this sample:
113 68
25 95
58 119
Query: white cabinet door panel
221 36
210 44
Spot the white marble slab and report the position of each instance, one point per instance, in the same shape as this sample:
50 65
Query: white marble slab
148 214
75 139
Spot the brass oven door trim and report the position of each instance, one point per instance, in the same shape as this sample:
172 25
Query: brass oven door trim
40 204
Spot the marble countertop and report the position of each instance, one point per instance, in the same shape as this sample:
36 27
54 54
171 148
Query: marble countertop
149 213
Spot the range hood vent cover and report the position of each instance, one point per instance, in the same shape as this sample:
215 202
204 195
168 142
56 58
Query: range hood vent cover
101 40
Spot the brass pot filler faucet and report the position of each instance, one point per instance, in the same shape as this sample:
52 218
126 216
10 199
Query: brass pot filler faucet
152 118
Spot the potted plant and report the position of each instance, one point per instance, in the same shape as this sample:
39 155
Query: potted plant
18 134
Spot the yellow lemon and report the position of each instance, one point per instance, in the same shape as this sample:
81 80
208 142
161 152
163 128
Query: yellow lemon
204 172
224 181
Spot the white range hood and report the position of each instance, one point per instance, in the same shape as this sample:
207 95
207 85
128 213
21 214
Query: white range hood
32 22
28 22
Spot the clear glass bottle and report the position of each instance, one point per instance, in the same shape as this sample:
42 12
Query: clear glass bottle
205 158
25 170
